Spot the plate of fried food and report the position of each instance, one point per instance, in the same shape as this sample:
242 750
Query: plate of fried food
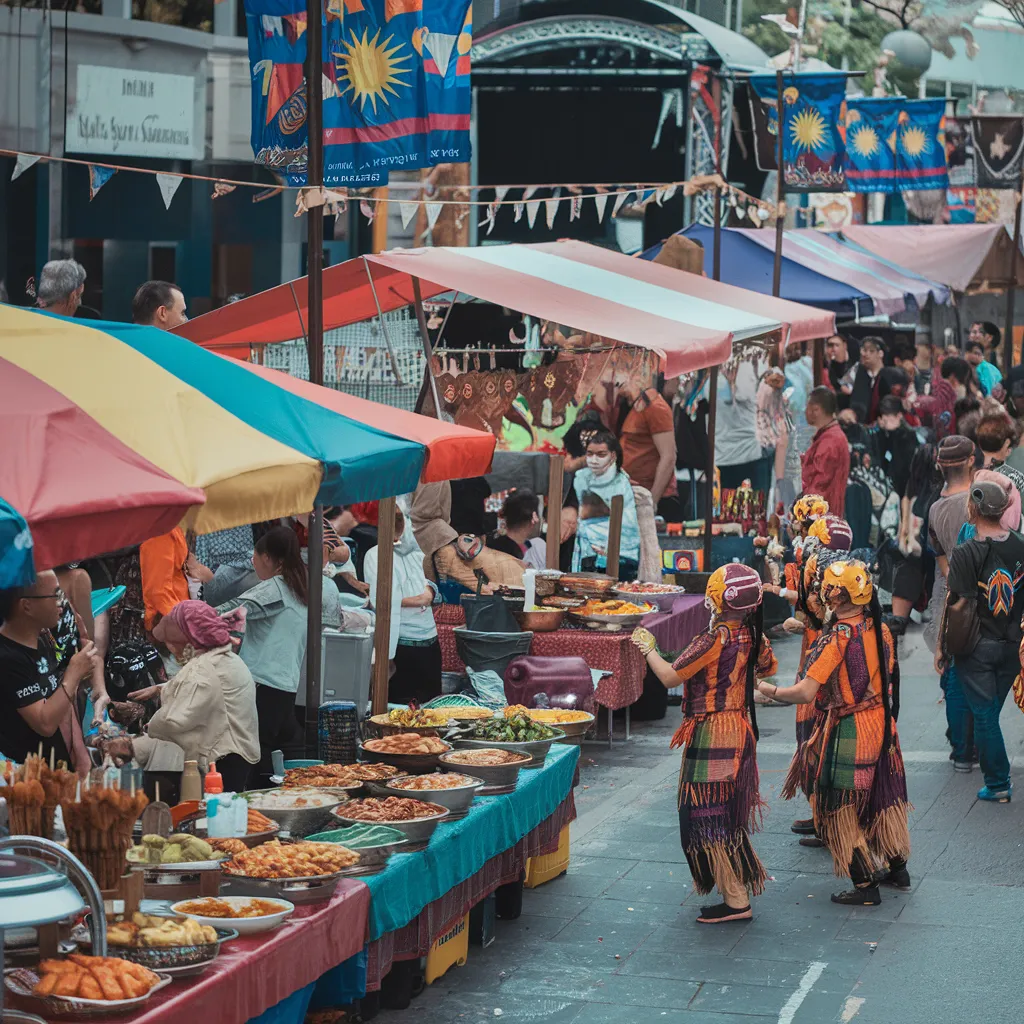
611 615
425 721
573 723
301 871
338 778
405 750
83 986
247 914
416 818
177 946
178 852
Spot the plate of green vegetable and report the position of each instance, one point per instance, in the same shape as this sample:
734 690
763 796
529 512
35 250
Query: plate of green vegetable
515 732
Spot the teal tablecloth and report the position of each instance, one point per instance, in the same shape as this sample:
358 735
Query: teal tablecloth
459 850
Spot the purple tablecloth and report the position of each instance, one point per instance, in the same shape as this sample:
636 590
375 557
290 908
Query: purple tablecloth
675 629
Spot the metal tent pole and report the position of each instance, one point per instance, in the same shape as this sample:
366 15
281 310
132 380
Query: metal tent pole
780 219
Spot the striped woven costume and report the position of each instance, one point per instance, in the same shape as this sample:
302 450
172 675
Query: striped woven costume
858 790
719 801
805 713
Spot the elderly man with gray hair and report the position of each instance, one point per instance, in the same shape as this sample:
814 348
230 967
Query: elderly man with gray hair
60 287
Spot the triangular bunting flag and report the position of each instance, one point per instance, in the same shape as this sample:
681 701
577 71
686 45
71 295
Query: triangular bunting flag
168 185
519 208
619 200
221 188
500 191
575 207
659 195
433 212
668 193
600 202
408 211
551 208
532 208
528 193
22 164
440 45
98 177
367 210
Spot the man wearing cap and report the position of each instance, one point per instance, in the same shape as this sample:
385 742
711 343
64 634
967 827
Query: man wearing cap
989 570
946 517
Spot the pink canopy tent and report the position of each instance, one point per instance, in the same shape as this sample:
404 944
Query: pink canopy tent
690 321
965 257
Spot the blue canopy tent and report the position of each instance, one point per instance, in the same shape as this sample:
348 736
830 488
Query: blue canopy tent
747 264
16 565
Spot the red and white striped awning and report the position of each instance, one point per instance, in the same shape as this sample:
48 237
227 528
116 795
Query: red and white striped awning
689 320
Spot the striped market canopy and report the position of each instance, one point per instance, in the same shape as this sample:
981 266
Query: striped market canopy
116 432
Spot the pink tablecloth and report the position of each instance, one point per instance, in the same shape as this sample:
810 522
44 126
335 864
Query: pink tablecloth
253 974
610 651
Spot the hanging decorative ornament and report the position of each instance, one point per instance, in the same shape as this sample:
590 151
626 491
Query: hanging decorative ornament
518 208
168 185
408 211
551 207
528 193
532 209
619 200
22 164
600 203
575 207
433 212
367 210
500 191
741 212
762 213
732 198
221 188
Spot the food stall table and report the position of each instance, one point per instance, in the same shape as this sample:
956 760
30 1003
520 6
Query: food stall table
612 652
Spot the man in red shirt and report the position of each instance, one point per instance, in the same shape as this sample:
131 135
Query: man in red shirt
825 465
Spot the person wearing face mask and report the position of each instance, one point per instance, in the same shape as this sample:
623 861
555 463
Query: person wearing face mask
413 645
602 478
938 410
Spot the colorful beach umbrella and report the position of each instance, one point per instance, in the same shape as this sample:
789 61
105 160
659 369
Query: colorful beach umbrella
255 449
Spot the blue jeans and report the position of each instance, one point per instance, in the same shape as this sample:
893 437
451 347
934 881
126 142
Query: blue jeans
986 675
958 716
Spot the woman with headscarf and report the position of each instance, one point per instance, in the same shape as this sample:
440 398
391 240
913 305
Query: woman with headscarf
208 709
719 801
851 765
413 644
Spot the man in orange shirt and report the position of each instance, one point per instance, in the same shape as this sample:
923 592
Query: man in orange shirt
648 441
164 584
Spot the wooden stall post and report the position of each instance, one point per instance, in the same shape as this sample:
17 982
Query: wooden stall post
780 191
382 603
819 362
614 536
425 339
1011 287
556 468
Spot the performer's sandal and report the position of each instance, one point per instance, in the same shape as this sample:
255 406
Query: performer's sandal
803 827
723 912
812 841
868 896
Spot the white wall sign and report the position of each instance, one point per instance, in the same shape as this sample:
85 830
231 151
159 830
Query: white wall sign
123 112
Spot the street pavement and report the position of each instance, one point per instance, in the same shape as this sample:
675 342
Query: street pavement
614 939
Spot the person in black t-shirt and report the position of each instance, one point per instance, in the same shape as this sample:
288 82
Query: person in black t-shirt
522 523
37 692
989 570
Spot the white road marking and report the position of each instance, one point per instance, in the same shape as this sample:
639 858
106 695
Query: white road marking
795 1001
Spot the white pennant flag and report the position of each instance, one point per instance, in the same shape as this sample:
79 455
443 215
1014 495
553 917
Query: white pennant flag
519 208
168 185
551 208
600 202
368 211
500 191
408 211
532 208
668 193
22 164
529 192
575 207
433 212
619 200
659 196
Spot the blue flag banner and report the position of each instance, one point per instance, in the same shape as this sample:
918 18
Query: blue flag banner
921 145
396 86
813 113
871 130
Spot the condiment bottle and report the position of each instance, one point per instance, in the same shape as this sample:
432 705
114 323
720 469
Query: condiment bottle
191 782
213 783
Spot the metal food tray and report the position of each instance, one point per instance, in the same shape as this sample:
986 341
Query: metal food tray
611 623
166 958
297 890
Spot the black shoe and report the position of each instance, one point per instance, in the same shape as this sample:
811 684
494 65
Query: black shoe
813 842
724 913
897 624
869 896
898 878
803 827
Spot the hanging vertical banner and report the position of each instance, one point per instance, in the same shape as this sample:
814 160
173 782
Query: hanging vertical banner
960 153
98 177
871 127
998 150
765 121
396 86
921 145
813 114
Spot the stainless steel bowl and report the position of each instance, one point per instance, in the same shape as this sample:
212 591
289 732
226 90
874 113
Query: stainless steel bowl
409 763
457 799
537 749
297 821
494 776
417 831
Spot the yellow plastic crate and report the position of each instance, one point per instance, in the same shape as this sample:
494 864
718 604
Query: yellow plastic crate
448 950
550 865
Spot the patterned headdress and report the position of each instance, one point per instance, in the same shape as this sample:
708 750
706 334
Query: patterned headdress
809 508
734 586
832 533
851 576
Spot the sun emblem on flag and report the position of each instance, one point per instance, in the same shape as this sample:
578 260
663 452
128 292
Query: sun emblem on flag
865 141
915 141
370 68
808 129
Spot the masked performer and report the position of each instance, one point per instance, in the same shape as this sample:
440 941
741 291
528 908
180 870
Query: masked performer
825 533
852 765
719 802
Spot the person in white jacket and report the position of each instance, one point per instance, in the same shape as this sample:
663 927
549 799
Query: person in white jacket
414 648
